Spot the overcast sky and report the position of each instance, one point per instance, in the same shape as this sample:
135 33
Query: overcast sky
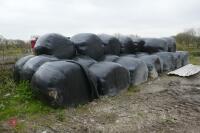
147 18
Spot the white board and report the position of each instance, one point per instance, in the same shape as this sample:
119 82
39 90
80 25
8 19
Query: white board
185 71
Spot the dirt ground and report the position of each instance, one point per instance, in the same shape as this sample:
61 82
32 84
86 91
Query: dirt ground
167 104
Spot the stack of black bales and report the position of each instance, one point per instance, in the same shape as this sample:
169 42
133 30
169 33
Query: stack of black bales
68 72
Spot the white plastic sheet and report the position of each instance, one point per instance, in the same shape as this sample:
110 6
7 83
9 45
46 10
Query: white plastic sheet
186 71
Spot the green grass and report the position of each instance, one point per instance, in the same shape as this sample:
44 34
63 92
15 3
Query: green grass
195 60
12 51
194 53
18 100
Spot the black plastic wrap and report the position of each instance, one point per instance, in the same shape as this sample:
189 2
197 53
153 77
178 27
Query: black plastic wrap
184 57
128 55
139 54
110 58
31 66
111 44
177 60
127 45
19 65
153 45
154 65
167 59
171 43
85 60
55 45
111 77
136 67
140 43
88 44
64 83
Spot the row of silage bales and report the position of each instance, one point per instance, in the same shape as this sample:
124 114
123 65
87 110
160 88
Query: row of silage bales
76 71
106 72
137 69
133 65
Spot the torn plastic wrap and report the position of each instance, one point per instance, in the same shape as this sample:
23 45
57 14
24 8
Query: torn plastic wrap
64 83
127 45
171 43
136 67
85 60
110 58
55 45
153 45
167 59
31 66
88 44
112 77
154 65
19 65
111 44
184 57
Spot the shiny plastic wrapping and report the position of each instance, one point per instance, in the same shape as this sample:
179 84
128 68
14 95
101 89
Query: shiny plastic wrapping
18 67
88 44
153 45
153 63
136 67
55 45
111 44
64 83
111 77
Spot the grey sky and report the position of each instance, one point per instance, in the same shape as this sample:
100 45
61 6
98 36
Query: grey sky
23 18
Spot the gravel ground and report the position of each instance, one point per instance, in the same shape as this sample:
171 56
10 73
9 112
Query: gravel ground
167 104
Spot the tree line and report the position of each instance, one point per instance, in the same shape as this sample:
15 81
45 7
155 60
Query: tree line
189 38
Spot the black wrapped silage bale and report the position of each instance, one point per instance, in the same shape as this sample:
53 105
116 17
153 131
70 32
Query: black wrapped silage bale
31 66
154 65
111 77
55 45
167 59
19 65
64 83
127 45
136 67
153 45
171 43
111 44
177 60
88 44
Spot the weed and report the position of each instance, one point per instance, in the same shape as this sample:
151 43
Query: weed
17 100
60 116
134 89
20 127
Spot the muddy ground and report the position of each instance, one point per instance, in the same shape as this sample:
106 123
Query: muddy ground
167 104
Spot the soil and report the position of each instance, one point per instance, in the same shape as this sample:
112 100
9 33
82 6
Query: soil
167 104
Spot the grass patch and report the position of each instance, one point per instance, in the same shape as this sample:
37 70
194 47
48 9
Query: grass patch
194 53
134 89
194 60
18 100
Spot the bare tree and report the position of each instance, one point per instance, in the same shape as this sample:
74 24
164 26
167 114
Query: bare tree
190 37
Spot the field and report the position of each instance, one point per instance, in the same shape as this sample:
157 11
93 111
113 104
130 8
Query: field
167 104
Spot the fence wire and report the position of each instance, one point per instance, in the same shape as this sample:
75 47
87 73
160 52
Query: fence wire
12 50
